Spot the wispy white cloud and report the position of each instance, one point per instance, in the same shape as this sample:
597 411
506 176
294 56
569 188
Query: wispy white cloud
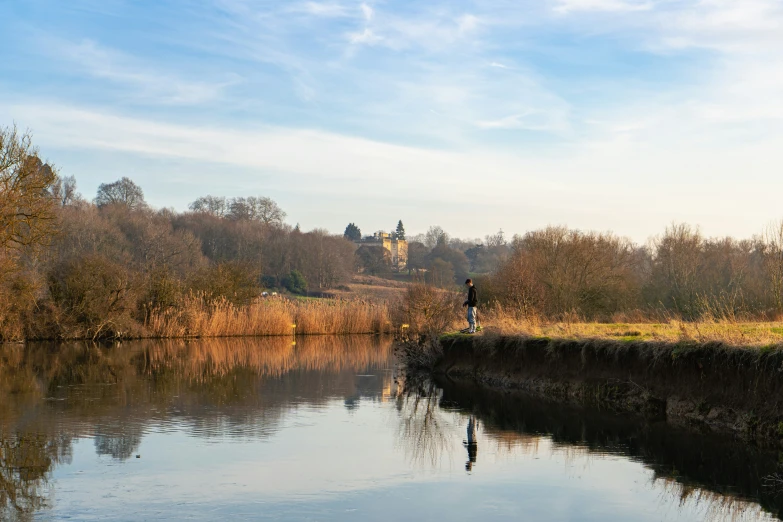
367 11
568 6
322 9
278 150
427 29
529 121
467 23
367 37
137 79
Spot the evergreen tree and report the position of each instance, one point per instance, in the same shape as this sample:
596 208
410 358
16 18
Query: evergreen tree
352 232
296 283
400 233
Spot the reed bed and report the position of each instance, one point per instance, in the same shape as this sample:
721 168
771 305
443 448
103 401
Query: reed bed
200 317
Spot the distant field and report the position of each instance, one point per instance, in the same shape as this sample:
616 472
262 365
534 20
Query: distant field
373 289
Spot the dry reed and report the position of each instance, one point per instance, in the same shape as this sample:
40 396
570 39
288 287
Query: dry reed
200 317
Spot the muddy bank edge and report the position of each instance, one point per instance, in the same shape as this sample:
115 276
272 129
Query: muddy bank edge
703 386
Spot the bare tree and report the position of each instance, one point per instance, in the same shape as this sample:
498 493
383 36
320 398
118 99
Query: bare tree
214 205
772 239
496 240
26 207
267 211
441 273
562 271
435 236
676 267
261 209
123 192
517 284
64 191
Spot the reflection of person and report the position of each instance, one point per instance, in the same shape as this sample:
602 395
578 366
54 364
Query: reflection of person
472 443
471 302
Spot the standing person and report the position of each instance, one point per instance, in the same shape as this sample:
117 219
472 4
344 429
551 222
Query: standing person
471 303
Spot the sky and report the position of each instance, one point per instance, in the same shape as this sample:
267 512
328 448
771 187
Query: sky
621 115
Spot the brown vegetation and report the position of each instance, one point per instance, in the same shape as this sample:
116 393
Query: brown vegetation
558 273
118 268
200 317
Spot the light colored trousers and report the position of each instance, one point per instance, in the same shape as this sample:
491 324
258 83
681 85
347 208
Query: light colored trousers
472 318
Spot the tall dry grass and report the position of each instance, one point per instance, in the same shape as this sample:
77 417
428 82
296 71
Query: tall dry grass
497 319
202 317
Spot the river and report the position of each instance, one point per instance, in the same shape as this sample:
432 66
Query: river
321 429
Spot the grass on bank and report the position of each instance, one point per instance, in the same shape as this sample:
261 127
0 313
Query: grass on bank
707 330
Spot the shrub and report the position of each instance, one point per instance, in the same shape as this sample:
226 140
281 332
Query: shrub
428 311
270 281
162 290
17 303
295 283
236 281
93 293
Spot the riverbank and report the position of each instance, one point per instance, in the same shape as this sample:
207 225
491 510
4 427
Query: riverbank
710 386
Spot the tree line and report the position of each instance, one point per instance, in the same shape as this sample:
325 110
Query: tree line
65 260
557 272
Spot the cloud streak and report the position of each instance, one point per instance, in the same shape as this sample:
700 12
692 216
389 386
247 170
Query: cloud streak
568 6
143 82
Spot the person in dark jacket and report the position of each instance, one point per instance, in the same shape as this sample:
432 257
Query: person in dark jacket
471 302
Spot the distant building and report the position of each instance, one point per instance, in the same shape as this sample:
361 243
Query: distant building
397 248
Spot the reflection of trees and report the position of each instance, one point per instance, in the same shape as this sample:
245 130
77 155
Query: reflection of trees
214 387
712 506
26 461
424 431
120 440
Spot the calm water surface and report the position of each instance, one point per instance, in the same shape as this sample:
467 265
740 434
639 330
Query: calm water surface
320 430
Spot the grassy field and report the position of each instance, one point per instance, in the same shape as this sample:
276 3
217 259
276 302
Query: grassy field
732 333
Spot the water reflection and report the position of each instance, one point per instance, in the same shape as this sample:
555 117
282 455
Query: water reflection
727 479
471 443
53 394
303 428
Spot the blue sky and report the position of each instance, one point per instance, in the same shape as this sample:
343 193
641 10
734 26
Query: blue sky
621 115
